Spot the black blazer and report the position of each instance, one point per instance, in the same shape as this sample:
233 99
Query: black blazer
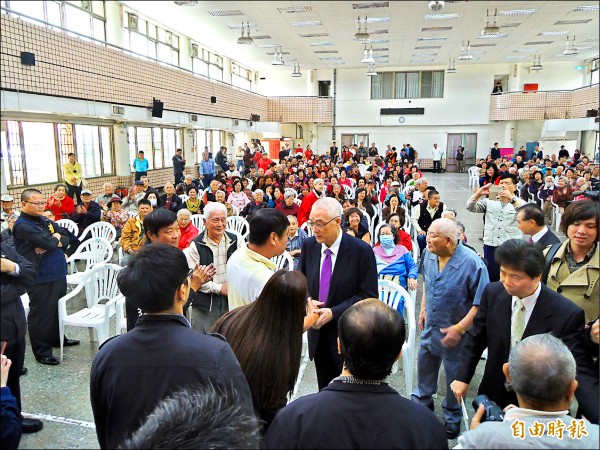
354 278
552 313
547 239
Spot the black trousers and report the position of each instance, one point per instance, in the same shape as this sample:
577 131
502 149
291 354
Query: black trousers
13 327
139 175
43 316
437 166
74 192
327 365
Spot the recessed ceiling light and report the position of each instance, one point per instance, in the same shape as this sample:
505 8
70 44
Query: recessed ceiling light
436 29
572 22
325 51
587 8
226 13
268 45
516 12
295 9
538 42
306 23
436 38
442 16
526 50
553 33
237 26
370 5
516 57
320 44
311 35
492 36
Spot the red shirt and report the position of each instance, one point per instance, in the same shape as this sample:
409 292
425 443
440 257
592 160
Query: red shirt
188 234
264 163
64 211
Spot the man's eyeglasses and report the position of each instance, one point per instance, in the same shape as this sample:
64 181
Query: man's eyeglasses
37 203
319 225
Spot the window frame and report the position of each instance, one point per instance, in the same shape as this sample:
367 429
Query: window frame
381 90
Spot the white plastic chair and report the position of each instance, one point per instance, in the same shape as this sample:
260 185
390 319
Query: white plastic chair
104 230
69 225
93 251
309 230
100 284
415 251
473 177
393 295
236 211
184 197
297 201
362 168
198 221
120 319
556 215
348 191
282 259
239 224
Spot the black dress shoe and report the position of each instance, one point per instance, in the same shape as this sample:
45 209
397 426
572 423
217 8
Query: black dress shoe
70 342
452 430
31 425
48 360
24 371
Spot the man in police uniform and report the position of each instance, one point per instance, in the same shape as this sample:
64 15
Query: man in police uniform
37 241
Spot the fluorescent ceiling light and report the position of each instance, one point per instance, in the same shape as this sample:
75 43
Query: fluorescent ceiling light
553 33
375 41
268 45
510 25
262 36
587 8
330 58
306 23
237 26
325 51
572 22
370 5
423 47
320 44
492 36
379 31
526 50
425 54
516 12
376 19
381 56
442 16
515 56
226 13
538 42
436 38
309 35
422 60
295 9
436 29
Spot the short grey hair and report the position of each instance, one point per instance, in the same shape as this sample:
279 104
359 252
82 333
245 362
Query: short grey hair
108 183
189 177
447 228
214 207
288 193
183 211
542 369
330 204
220 192
258 191
319 180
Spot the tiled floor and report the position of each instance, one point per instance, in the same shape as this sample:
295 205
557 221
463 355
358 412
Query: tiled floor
60 395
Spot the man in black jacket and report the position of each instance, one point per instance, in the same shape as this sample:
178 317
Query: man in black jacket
17 274
178 165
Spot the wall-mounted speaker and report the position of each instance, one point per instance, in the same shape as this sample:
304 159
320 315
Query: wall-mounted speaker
213 99
28 59
254 117
157 108
591 113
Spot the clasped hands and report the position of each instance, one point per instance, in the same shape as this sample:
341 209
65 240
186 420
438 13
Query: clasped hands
324 314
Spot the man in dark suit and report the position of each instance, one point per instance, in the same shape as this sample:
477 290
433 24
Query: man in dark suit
341 270
495 152
359 405
517 307
530 220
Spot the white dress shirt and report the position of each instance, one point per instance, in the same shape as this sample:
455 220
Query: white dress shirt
528 303
335 249
537 236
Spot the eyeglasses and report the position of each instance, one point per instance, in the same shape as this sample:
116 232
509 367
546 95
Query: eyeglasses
37 203
319 225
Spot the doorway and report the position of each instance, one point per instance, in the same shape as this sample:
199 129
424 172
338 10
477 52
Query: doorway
466 140
324 88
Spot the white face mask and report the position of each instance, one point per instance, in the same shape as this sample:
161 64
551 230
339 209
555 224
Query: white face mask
152 201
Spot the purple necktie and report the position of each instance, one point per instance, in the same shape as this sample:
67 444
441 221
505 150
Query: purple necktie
325 277
531 240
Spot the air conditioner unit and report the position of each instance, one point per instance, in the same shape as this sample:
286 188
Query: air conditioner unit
236 122
194 50
132 22
193 118
117 110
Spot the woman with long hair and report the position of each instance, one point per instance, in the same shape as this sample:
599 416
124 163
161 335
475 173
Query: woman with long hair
266 338
363 202
237 197
491 175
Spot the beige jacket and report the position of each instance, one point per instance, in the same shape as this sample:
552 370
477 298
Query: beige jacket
581 286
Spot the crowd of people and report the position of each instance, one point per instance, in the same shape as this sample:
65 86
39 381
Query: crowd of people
224 323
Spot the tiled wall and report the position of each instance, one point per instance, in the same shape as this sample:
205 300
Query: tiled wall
158 178
544 105
300 109
71 67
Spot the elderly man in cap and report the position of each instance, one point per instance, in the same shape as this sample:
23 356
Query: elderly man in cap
135 194
87 212
7 210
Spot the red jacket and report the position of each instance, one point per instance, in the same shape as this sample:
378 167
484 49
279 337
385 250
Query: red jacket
306 207
264 163
188 234
64 211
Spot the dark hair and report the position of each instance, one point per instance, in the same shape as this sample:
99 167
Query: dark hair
144 201
371 337
432 192
521 256
512 176
236 182
491 179
141 151
392 229
393 194
351 211
264 222
580 210
402 218
152 277
27 193
204 416
60 185
192 187
531 211
157 220
266 337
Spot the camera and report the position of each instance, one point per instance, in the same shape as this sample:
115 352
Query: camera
493 413
436 6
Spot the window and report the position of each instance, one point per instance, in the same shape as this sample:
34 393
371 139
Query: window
241 77
38 150
207 63
425 84
158 145
84 17
594 72
149 40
